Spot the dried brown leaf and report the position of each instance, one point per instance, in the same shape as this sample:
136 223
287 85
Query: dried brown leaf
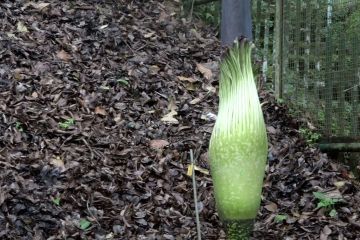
100 111
188 79
40 5
195 101
63 55
206 72
158 143
271 207
21 27
58 162
169 118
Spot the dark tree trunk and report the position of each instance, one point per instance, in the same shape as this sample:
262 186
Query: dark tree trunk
235 20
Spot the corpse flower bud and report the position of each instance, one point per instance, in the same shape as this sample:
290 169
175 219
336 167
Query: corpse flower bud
238 144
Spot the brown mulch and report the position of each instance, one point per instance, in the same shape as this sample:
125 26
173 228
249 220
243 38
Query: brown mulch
100 103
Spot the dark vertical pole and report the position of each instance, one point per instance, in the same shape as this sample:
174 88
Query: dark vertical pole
279 21
235 20
266 42
328 72
307 46
341 72
318 58
355 87
297 54
257 21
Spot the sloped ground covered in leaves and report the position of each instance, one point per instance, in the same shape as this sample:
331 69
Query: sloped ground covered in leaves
100 103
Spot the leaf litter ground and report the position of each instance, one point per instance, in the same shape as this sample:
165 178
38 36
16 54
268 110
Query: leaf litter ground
100 103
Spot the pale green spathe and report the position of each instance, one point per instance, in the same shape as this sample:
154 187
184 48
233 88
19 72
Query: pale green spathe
238 145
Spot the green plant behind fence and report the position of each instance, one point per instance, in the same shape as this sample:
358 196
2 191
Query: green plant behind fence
320 67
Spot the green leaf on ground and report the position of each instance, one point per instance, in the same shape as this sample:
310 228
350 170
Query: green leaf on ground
279 218
84 224
66 124
56 201
123 81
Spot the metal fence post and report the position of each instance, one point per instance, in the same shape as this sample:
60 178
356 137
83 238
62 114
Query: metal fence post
279 36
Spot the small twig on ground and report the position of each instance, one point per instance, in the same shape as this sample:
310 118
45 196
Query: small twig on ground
198 152
92 214
88 146
264 103
195 195
161 95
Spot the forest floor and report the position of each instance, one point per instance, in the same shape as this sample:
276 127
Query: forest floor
100 103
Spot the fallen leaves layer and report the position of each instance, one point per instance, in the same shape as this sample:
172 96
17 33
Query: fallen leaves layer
97 119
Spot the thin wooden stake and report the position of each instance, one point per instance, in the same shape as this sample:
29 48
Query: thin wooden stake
195 195
192 9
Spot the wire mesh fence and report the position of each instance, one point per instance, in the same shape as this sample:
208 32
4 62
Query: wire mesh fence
263 33
319 64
